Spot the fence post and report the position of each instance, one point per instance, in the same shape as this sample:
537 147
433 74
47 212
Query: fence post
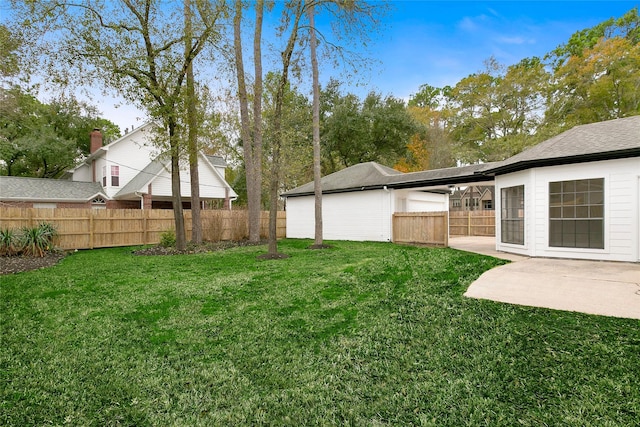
145 235
91 225
469 224
445 217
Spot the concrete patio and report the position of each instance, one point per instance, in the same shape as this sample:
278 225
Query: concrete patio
593 287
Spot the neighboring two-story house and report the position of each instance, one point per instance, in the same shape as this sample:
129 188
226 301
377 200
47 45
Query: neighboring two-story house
129 173
472 198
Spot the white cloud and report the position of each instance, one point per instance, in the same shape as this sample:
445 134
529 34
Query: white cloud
515 40
468 24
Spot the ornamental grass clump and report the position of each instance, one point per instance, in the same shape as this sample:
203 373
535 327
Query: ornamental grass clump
30 241
10 243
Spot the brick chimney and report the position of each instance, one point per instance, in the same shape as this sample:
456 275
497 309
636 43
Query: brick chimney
96 140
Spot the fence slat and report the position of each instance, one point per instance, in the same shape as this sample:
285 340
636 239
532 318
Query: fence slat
91 228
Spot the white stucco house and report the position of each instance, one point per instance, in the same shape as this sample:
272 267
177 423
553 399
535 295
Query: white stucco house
130 172
576 195
358 202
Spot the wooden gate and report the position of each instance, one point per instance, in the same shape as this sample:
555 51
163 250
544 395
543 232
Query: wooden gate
429 228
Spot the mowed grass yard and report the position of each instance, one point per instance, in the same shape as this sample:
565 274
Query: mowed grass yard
363 334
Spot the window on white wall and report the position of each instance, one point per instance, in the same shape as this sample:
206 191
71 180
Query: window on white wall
576 213
115 176
512 215
104 176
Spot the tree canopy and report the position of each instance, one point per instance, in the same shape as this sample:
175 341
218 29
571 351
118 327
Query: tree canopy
45 140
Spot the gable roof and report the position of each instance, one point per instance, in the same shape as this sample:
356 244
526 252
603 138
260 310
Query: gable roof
372 176
611 139
139 182
48 190
142 178
126 136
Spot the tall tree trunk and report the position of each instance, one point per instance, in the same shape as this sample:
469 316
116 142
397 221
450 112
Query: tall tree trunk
192 125
176 198
251 156
317 175
277 131
257 116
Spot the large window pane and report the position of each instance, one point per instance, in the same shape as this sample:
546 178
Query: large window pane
512 223
576 211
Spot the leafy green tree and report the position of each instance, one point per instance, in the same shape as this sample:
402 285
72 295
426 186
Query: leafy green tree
133 47
602 84
596 74
626 27
296 150
9 45
430 147
494 112
45 140
355 131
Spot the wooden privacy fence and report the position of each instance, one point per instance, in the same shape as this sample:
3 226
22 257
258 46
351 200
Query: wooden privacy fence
101 228
472 223
430 228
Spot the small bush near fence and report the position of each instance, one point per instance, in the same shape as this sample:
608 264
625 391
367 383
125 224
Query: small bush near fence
30 241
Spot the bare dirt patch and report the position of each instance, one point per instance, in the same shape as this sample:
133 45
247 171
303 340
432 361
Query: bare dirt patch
18 264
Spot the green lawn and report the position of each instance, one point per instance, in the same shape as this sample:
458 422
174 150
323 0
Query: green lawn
361 334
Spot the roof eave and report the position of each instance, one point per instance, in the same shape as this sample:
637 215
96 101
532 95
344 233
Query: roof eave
52 200
557 161
338 190
476 177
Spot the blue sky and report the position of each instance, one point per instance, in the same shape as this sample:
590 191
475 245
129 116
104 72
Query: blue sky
441 42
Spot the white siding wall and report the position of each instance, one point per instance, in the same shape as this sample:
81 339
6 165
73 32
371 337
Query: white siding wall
132 154
361 216
210 184
621 215
83 173
420 201
99 164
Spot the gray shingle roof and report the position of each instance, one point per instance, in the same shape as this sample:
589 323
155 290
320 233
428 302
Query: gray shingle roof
217 160
596 141
144 176
456 175
50 190
369 176
356 177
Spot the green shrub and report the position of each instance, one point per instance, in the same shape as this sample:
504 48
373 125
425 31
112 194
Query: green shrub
38 240
168 239
48 230
10 242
